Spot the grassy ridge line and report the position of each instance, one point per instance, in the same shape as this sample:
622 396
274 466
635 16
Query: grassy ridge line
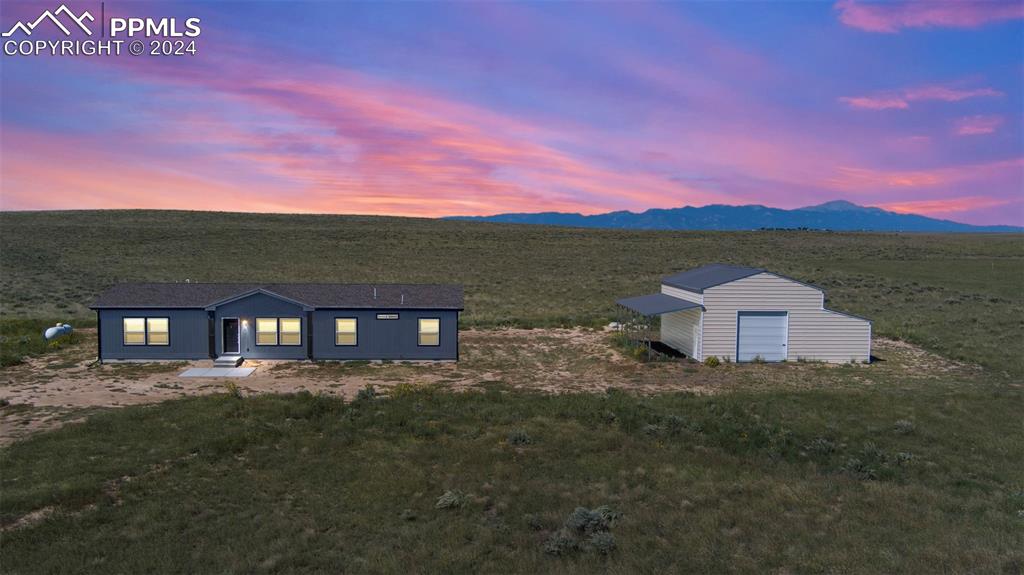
959 295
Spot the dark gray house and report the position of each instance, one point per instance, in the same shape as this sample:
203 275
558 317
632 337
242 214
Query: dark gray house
279 321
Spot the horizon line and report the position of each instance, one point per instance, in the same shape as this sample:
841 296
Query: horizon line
442 217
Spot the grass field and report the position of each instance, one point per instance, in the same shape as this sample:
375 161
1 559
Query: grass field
875 480
960 295
909 465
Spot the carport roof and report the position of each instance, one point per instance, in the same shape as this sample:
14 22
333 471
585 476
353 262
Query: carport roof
656 304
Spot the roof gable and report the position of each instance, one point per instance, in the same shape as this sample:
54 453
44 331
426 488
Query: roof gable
259 290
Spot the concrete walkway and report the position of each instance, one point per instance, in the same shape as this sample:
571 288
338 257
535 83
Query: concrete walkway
217 372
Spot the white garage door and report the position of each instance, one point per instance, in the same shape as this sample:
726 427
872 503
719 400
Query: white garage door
762 334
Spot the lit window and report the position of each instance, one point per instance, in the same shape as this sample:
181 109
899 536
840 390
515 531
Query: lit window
291 331
430 331
266 331
156 330
134 331
344 331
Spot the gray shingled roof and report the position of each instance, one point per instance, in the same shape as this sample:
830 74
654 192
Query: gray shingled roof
656 304
203 295
699 279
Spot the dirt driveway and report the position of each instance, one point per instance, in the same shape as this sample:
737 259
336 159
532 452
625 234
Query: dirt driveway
64 386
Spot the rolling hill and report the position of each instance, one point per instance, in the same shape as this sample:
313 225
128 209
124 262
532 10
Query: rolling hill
836 215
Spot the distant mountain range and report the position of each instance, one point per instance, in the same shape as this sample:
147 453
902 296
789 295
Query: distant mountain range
837 215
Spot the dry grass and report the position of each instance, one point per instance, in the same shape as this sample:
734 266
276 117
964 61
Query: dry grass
42 396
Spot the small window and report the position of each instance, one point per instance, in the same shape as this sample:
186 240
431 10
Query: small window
430 331
266 331
345 331
156 331
291 331
134 331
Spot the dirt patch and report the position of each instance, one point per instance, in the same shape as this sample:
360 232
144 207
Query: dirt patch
49 391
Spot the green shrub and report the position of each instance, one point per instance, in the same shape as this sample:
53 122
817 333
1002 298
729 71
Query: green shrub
367 393
232 389
712 361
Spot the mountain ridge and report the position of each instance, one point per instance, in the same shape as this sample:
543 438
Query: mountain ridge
835 215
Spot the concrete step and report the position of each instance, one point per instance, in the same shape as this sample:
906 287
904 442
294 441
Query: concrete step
228 361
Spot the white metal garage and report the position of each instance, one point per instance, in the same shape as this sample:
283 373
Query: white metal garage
744 314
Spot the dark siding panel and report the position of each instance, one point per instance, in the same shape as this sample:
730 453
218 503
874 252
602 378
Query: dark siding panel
247 310
385 339
188 334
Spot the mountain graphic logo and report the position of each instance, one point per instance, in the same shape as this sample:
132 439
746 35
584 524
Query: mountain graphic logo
27 28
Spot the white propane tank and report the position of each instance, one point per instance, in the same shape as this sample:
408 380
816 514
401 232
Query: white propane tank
57 331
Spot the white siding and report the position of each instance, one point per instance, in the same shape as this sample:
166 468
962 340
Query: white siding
681 331
815 333
682 294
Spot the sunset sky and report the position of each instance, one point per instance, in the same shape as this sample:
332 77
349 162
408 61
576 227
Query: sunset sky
436 109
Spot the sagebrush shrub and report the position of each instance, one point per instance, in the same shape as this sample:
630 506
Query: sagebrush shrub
821 446
584 529
560 542
904 427
519 437
587 521
452 499
603 542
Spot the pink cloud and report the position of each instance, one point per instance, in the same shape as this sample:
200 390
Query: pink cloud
891 17
876 102
344 143
977 125
867 180
944 205
901 100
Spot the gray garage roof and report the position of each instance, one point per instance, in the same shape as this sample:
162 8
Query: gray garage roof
656 304
205 295
699 279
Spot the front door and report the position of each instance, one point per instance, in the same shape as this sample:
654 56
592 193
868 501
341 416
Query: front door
229 339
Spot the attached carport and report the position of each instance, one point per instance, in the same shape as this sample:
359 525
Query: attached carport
635 321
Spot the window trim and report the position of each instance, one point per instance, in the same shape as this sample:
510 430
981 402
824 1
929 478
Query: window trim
277 332
145 331
355 333
124 332
419 332
168 320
